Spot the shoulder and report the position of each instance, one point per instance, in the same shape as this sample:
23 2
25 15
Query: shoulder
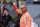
9 15
28 15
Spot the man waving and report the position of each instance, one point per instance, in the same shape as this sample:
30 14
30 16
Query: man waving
25 20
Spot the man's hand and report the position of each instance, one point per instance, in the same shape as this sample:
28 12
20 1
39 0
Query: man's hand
14 3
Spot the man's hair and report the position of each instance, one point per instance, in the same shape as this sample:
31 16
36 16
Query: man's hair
23 4
7 10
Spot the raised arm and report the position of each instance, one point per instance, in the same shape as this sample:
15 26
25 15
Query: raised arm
15 8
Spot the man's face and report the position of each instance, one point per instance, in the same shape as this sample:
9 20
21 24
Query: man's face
23 8
5 12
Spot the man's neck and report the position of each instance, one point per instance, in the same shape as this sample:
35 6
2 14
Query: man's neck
7 14
24 12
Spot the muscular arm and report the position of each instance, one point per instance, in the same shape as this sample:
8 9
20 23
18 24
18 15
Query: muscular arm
15 8
28 20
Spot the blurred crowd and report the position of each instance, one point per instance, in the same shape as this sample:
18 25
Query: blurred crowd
5 17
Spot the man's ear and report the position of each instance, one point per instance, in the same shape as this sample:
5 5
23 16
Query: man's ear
26 9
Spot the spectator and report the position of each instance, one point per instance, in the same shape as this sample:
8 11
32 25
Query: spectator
6 17
3 5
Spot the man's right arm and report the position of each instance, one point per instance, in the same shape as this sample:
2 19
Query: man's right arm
15 8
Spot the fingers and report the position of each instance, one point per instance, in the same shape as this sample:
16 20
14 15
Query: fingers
14 3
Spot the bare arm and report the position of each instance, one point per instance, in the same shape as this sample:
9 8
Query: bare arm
1 10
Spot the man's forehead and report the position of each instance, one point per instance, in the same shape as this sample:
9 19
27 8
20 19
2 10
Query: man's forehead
22 6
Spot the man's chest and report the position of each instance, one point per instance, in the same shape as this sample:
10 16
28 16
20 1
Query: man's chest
23 17
6 17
